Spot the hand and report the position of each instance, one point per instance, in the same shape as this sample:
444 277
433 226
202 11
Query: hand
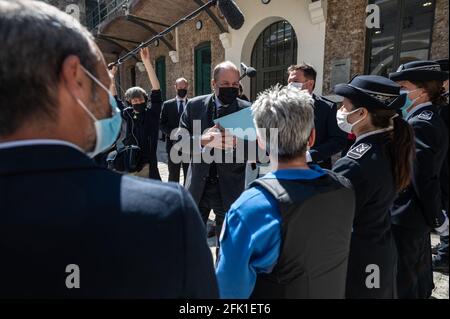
212 137
217 137
111 65
113 71
145 55
146 59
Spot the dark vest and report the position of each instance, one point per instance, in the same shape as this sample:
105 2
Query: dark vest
317 217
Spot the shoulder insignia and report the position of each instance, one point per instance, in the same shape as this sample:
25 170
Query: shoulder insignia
426 115
359 151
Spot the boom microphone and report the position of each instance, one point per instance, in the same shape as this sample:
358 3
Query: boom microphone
232 13
229 9
248 71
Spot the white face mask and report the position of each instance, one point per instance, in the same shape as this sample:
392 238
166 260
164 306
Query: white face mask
296 85
342 120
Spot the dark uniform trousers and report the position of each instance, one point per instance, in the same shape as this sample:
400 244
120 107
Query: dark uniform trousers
416 280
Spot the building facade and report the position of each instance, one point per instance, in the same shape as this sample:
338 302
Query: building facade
332 35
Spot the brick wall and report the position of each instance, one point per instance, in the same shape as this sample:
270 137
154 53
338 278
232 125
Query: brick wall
439 46
345 36
189 39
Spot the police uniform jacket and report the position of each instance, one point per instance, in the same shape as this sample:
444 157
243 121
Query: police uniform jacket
419 207
367 165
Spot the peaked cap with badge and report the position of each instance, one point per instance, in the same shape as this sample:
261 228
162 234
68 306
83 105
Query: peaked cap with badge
372 91
419 71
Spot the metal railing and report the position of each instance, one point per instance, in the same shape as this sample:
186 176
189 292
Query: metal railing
103 10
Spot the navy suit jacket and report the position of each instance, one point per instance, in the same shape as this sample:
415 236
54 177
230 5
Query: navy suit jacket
330 139
130 237
231 175
170 120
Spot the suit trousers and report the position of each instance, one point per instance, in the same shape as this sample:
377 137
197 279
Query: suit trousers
174 170
212 200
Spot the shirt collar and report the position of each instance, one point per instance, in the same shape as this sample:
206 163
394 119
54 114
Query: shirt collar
314 172
217 102
363 136
179 99
31 142
417 108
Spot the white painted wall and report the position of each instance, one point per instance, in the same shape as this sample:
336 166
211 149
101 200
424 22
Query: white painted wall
311 37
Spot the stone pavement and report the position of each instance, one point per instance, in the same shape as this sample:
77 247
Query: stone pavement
440 280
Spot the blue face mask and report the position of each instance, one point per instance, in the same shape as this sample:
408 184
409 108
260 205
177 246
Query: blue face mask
107 130
408 102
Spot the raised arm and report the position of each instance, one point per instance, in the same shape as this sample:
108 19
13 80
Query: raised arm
146 59
113 88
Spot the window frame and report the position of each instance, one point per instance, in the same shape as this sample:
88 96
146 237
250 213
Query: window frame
398 36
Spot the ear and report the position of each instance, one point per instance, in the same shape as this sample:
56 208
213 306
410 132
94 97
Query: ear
73 76
365 112
312 138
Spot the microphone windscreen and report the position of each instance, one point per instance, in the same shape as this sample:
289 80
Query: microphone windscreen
232 13
251 72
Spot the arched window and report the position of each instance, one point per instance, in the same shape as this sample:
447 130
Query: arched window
274 51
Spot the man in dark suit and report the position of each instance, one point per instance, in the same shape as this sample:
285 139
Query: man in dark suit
329 139
215 185
68 228
169 123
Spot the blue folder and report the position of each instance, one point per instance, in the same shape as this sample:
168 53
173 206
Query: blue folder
240 124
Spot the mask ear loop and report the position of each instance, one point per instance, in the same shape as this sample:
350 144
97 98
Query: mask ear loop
358 121
81 103
95 79
86 109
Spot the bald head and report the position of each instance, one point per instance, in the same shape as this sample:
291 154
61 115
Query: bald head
226 79
226 66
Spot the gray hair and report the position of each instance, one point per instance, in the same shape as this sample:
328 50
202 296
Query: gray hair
289 110
227 65
36 38
135 93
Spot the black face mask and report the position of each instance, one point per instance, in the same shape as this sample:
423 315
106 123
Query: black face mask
182 93
228 95
140 108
